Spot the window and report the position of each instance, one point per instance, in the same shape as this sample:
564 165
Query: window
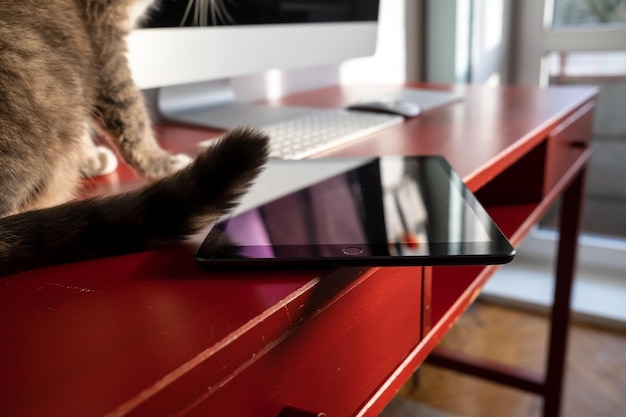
569 42
568 13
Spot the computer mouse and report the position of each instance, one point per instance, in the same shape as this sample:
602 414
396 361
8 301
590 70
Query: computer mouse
400 107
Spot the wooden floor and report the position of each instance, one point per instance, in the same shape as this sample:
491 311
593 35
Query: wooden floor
596 368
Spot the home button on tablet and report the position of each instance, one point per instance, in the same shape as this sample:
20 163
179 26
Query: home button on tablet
352 250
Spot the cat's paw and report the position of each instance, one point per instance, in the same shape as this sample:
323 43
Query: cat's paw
179 161
102 161
165 164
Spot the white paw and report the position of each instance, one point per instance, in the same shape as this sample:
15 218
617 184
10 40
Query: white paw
108 158
101 161
180 161
164 164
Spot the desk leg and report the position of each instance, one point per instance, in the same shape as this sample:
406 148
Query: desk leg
569 229
549 385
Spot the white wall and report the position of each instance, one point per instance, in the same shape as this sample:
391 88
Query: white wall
491 24
468 41
447 41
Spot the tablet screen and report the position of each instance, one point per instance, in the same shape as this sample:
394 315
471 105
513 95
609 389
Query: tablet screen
392 210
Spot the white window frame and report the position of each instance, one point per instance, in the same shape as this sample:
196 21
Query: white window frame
535 40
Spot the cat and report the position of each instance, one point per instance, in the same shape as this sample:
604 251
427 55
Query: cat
64 78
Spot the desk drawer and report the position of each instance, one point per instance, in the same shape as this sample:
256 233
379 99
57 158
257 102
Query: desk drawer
332 362
566 142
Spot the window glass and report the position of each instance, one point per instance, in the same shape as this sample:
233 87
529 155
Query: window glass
589 13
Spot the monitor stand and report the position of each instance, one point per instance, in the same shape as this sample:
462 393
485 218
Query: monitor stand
214 104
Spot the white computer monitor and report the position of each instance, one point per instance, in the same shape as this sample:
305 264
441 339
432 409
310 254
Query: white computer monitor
192 66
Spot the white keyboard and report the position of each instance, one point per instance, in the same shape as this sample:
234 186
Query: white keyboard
304 136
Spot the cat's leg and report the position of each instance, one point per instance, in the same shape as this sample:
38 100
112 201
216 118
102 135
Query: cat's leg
126 123
118 104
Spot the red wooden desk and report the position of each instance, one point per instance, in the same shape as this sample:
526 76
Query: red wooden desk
150 334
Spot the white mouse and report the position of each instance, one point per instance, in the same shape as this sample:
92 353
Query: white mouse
399 107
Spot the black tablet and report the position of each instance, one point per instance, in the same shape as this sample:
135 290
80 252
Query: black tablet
392 210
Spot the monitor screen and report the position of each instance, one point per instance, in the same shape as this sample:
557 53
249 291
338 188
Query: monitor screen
259 12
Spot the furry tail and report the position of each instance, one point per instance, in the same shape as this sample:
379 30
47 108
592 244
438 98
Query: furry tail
164 212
